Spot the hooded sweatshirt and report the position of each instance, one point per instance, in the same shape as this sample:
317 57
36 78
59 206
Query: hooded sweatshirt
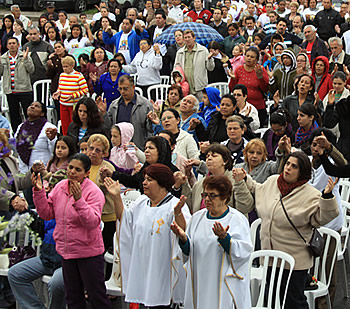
283 77
119 156
273 63
214 99
323 83
183 83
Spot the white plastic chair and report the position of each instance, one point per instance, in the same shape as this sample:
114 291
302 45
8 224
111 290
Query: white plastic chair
113 285
138 90
344 245
344 188
278 260
164 80
319 269
223 87
261 132
134 76
46 99
160 91
253 228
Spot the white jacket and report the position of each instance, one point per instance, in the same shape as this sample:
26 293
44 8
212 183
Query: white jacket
147 66
186 145
201 65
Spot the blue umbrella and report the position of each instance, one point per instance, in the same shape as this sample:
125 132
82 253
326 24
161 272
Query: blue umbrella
204 33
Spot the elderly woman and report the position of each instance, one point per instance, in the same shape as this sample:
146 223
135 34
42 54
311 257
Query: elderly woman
216 245
98 149
173 100
218 162
236 142
148 223
303 64
147 64
282 195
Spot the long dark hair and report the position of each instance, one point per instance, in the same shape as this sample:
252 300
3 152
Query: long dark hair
80 35
71 146
163 147
92 55
303 163
57 37
83 158
310 110
10 17
94 118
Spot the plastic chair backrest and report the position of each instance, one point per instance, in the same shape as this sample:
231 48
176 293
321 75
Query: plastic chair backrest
164 80
344 188
278 261
45 91
223 87
253 228
159 90
138 90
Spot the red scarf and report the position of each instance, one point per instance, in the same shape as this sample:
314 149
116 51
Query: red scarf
286 188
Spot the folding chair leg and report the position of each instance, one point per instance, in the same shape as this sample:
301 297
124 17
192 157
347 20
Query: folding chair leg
329 304
346 279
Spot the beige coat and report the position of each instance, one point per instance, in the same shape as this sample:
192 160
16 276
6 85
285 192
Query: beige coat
304 205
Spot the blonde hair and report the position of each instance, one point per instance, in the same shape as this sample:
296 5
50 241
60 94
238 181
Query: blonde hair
99 138
5 143
294 3
68 60
252 143
235 118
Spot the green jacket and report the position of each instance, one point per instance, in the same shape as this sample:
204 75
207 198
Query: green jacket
230 43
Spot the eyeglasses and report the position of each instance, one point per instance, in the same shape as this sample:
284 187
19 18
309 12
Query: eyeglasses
237 95
123 89
210 195
278 130
167 118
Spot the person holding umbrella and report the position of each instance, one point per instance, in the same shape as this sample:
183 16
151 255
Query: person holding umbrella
196 71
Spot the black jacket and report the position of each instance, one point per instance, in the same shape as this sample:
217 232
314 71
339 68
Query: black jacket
325 21
318 49
222 28
73 131
289 40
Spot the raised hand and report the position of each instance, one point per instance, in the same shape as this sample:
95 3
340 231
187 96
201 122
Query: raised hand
178 231
101 105
93 76
335 69
317 99
75 189
238 174
331 97
203 146
323 143
112 186
231 73
105 172
269 72
19 204
330 185
194 122
56 95
219 230
284 144
179 205
155 106
180 179
276 98
153 117
25 53
156 48
36 182
51 133
258 70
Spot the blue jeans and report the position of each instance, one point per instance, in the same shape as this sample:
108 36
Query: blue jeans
21 276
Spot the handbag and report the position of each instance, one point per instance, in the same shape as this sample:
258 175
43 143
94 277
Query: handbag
19 254
316 243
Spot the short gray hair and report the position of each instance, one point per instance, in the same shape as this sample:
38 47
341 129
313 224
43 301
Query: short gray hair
34 28
196 102
335 39
129 9
312 28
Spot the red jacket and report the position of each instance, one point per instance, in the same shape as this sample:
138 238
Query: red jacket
326 82
204 14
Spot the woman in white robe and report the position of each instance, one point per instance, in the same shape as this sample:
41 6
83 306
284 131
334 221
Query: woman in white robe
216 248
149 254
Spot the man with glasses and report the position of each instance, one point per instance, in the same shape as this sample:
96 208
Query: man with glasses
39 51
129 107
338 59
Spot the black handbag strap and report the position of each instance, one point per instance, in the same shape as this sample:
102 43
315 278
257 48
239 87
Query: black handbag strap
291 223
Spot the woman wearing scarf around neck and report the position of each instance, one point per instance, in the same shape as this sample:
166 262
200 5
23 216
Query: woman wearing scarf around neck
35 140
306 206
309 120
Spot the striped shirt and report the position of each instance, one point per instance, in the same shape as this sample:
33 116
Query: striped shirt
72 84
13 61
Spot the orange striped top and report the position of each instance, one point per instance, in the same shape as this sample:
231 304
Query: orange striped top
72 84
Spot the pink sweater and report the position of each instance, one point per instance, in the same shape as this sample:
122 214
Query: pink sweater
77 233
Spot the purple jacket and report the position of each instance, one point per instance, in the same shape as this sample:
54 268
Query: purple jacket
77 233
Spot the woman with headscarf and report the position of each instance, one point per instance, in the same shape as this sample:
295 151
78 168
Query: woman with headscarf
322 79
148 223
303 64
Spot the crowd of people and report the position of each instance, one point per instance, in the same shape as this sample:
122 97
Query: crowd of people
206 162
